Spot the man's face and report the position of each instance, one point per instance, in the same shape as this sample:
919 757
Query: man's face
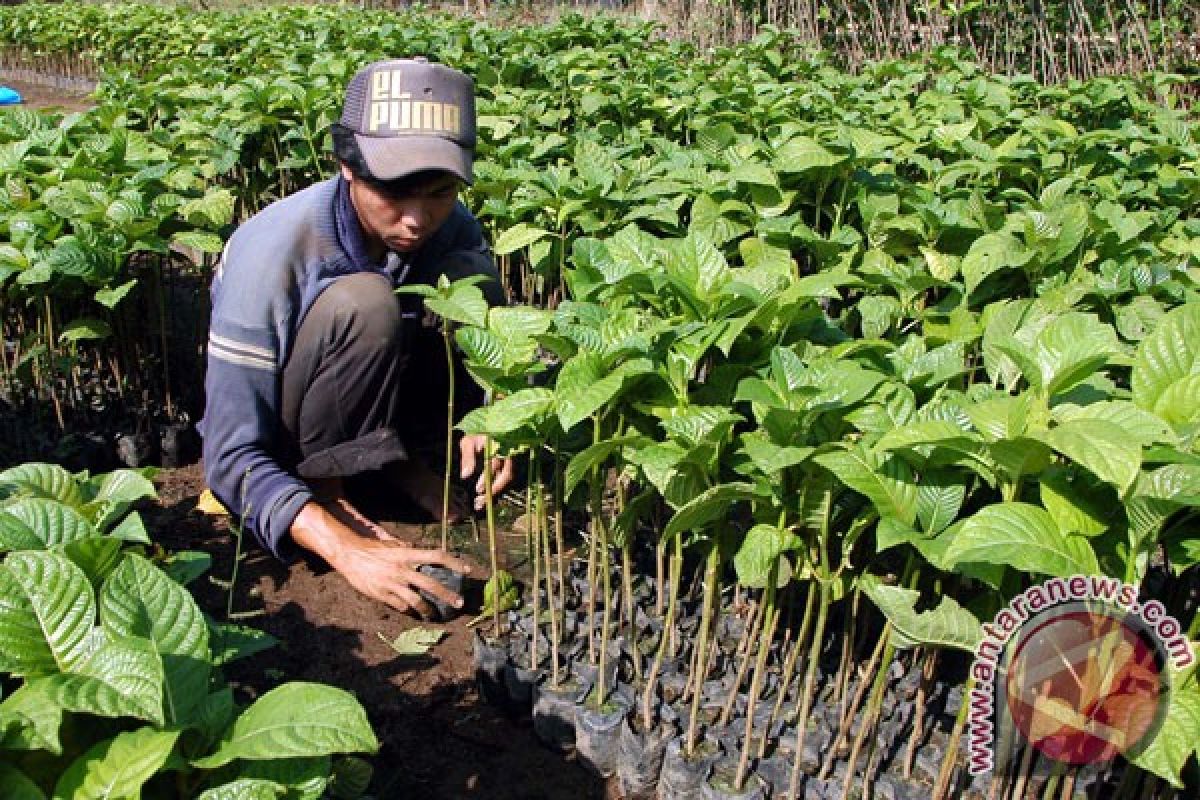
403 219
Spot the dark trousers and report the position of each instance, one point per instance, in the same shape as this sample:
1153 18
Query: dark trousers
366 382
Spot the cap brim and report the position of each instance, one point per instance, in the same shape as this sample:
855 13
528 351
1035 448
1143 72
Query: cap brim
393 157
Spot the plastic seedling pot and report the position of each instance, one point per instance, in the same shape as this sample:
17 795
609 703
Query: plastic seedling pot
776 770
640 756
597 732
554 709
519 683
682 777
489 659
719 785
451 580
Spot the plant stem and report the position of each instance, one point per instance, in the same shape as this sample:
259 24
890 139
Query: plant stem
449 435
919 711
873 705
535 538
606 617
757 618
806 696
849 712
665 637
951 758
712 564
554 619
789 667
490 505
771 620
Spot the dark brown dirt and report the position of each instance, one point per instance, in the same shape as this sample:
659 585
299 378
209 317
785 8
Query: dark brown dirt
37 96
439 739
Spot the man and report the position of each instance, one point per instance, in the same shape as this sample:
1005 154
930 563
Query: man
311 354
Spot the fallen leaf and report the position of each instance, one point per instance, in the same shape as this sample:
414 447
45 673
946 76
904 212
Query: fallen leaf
414 642
210 506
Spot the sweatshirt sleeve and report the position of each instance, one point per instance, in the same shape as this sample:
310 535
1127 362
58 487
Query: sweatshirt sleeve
242 426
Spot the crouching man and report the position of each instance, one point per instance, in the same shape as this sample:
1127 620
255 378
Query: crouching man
317 370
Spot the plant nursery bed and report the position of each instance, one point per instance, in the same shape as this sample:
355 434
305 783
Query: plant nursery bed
439 738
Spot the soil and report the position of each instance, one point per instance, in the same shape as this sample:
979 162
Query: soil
34 95
439 738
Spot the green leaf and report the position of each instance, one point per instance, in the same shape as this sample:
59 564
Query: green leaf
1147 428
184 566
16 535
131 529
1074 504
117 767
462 304
214 209
584 386
15 785
52 522
517 237
351 778
801 154
1102 448
122 487
947 625
43 480
141 600
990 253
97 556
887 482
1176 741
83 329
245 789
762 548
581 465
231 642
110 297
771 458
305 778
510 413
47 610
30 720
120 678
707 507
1070 349
1167 356
414 641
696 425
199 240
940 498
294 720
670 471
500 590
1023 537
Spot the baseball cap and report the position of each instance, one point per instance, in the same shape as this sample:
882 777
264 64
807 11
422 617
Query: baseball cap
409 115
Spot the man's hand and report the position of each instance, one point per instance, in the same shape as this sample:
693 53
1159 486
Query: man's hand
382 570
470 449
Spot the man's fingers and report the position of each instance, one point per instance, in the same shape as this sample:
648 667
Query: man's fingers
413 602
505 469
467 449
439 557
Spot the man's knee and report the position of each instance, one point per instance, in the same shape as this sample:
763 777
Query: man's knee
362 307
